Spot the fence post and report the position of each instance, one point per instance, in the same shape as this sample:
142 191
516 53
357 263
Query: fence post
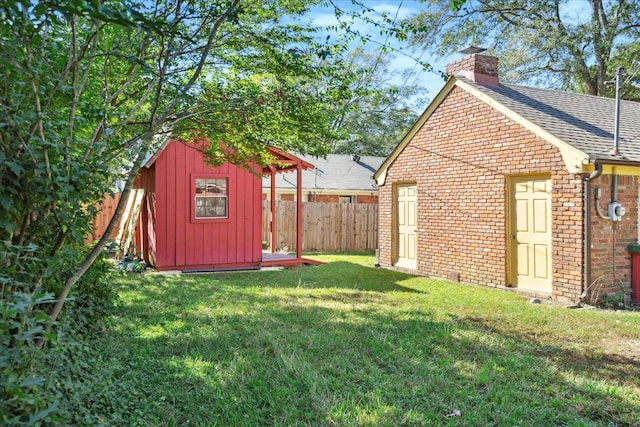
326 226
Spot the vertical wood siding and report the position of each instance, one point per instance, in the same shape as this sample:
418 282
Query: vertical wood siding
101 221
326 227
182 242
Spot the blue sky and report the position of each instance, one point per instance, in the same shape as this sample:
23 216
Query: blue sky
398 9
573 12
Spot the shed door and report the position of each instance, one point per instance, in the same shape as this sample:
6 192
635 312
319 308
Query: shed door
530 232
407 240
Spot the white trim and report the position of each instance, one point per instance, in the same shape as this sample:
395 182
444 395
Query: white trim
573 158
381 174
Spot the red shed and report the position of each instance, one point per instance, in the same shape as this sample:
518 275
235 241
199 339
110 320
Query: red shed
196 217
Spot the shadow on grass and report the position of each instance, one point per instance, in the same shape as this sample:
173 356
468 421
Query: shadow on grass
341 346
616 367
336 275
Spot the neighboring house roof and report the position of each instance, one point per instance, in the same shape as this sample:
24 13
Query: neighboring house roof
581 126
335 172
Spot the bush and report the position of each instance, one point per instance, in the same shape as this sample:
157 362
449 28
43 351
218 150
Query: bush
613 301
24 401
93 298
50 385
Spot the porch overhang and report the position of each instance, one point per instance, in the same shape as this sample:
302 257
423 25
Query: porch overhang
286 162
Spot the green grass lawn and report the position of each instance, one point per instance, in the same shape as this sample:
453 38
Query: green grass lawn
348 344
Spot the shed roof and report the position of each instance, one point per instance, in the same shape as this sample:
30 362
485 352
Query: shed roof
581 126
335 172
283 161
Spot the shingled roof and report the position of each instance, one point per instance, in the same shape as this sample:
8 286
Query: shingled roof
335 172
584 121
581 126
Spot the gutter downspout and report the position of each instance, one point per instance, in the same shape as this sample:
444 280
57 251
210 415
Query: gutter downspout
614 225
586 250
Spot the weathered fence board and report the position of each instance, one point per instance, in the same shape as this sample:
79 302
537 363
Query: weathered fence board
106 211
326 227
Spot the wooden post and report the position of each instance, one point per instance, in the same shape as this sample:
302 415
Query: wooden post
273 209
299 212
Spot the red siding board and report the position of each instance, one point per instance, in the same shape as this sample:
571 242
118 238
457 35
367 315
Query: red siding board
170 189
182 242
162 212
225 245
254 221
244 199
182 202
248 212
196 235
199 235
243 231
194 232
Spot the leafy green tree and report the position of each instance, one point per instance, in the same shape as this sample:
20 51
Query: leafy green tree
559 43
89 88
378 112
87 91
627 57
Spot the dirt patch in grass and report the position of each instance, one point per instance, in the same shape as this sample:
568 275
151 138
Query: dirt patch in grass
626 349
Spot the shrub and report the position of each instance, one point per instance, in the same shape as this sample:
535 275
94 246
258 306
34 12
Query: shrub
93 299
21 378
49 385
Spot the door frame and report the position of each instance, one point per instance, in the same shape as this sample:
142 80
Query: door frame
395 241
511 242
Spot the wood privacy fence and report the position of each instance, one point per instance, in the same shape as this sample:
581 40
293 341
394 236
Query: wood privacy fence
101 221
326 227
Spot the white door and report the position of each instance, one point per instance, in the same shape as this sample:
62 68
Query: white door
407 226
531 233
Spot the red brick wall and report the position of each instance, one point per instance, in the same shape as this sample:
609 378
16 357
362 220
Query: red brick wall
478 68
323 198
335 198
329 198
460 160
606 235
372 200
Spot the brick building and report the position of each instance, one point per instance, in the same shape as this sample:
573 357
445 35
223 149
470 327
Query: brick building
336 178
512 186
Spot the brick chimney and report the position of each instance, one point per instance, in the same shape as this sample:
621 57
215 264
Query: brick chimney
478 68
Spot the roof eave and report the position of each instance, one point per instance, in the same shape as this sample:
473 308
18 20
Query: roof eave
284 162
614 166
574 159
615 162
380 175
151 160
